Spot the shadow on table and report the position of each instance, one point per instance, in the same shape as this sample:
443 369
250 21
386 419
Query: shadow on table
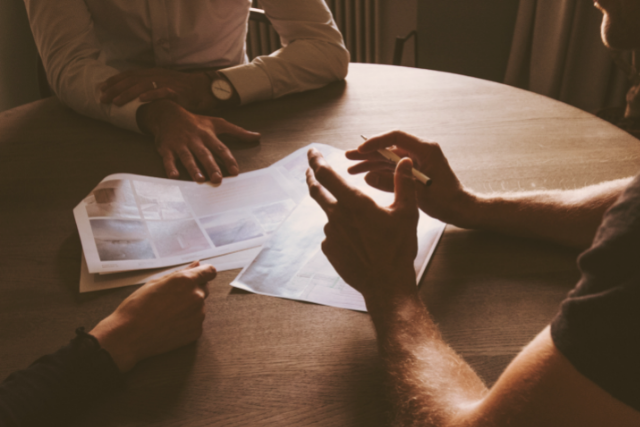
491 294
314 364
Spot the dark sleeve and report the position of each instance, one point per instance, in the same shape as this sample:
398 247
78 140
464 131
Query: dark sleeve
598 326
56 386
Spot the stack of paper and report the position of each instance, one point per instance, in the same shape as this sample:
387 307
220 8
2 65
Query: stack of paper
135 228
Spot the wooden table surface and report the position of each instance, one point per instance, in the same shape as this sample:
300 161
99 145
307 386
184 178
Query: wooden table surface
276 362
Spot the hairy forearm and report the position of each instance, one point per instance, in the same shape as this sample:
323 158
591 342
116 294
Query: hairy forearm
569 217
429 384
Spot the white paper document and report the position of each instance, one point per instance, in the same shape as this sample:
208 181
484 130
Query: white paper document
291 264
99 282
132 222
135 228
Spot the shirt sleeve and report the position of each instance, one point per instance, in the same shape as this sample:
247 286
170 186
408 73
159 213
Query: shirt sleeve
598 326
53 389
70 51
313 53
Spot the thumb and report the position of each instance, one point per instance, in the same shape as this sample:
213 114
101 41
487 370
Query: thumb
201 274
404 184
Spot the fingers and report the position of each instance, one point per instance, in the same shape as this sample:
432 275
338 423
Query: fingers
382 180
200 150
126 92
203 290
333 182
186 153
193 140
219 149
117 79
319 194
198 276
380 171
398 138
204 156
189 163
369 155
224 127
371 165
169 162
160 93
203 273
123 89
201 276
405 191
116 85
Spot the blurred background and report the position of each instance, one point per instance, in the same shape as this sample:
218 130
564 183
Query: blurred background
551 47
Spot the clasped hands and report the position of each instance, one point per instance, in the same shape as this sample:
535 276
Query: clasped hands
373 247
189 89
174 99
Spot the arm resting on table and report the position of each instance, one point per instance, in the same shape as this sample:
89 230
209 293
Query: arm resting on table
64 33
567 217
430 385
313 53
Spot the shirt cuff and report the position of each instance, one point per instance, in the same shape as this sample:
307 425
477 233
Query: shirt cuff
250 82
125 116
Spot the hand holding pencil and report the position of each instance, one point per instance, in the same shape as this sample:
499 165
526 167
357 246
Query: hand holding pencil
390 155
442 196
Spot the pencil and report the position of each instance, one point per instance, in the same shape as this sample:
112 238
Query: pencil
390 155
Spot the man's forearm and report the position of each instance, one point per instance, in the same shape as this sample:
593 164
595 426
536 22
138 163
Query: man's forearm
429 383
569 217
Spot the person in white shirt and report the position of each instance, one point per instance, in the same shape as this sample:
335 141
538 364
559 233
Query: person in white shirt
151 66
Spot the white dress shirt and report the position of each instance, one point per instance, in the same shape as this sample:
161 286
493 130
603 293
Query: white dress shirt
84 42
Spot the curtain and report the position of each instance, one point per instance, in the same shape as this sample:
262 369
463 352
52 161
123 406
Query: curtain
557 52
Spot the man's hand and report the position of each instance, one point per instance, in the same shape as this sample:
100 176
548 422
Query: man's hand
371 247
190 90
160 316
567 217
188 137
445 199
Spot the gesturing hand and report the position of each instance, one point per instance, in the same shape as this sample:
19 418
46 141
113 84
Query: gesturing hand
190 90
188 137
371 247
445 199
162 315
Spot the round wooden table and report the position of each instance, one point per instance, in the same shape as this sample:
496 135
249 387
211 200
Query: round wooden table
276 362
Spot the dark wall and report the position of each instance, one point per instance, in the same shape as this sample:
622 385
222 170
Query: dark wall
470 37
18 56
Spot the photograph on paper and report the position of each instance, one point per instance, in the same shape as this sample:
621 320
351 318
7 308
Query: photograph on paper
121 239
176 238
161 201
112 199
231 227
180 221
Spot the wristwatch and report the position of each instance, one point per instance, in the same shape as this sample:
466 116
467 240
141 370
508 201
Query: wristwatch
221 88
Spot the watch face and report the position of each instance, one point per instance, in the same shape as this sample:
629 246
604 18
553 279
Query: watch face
222 89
